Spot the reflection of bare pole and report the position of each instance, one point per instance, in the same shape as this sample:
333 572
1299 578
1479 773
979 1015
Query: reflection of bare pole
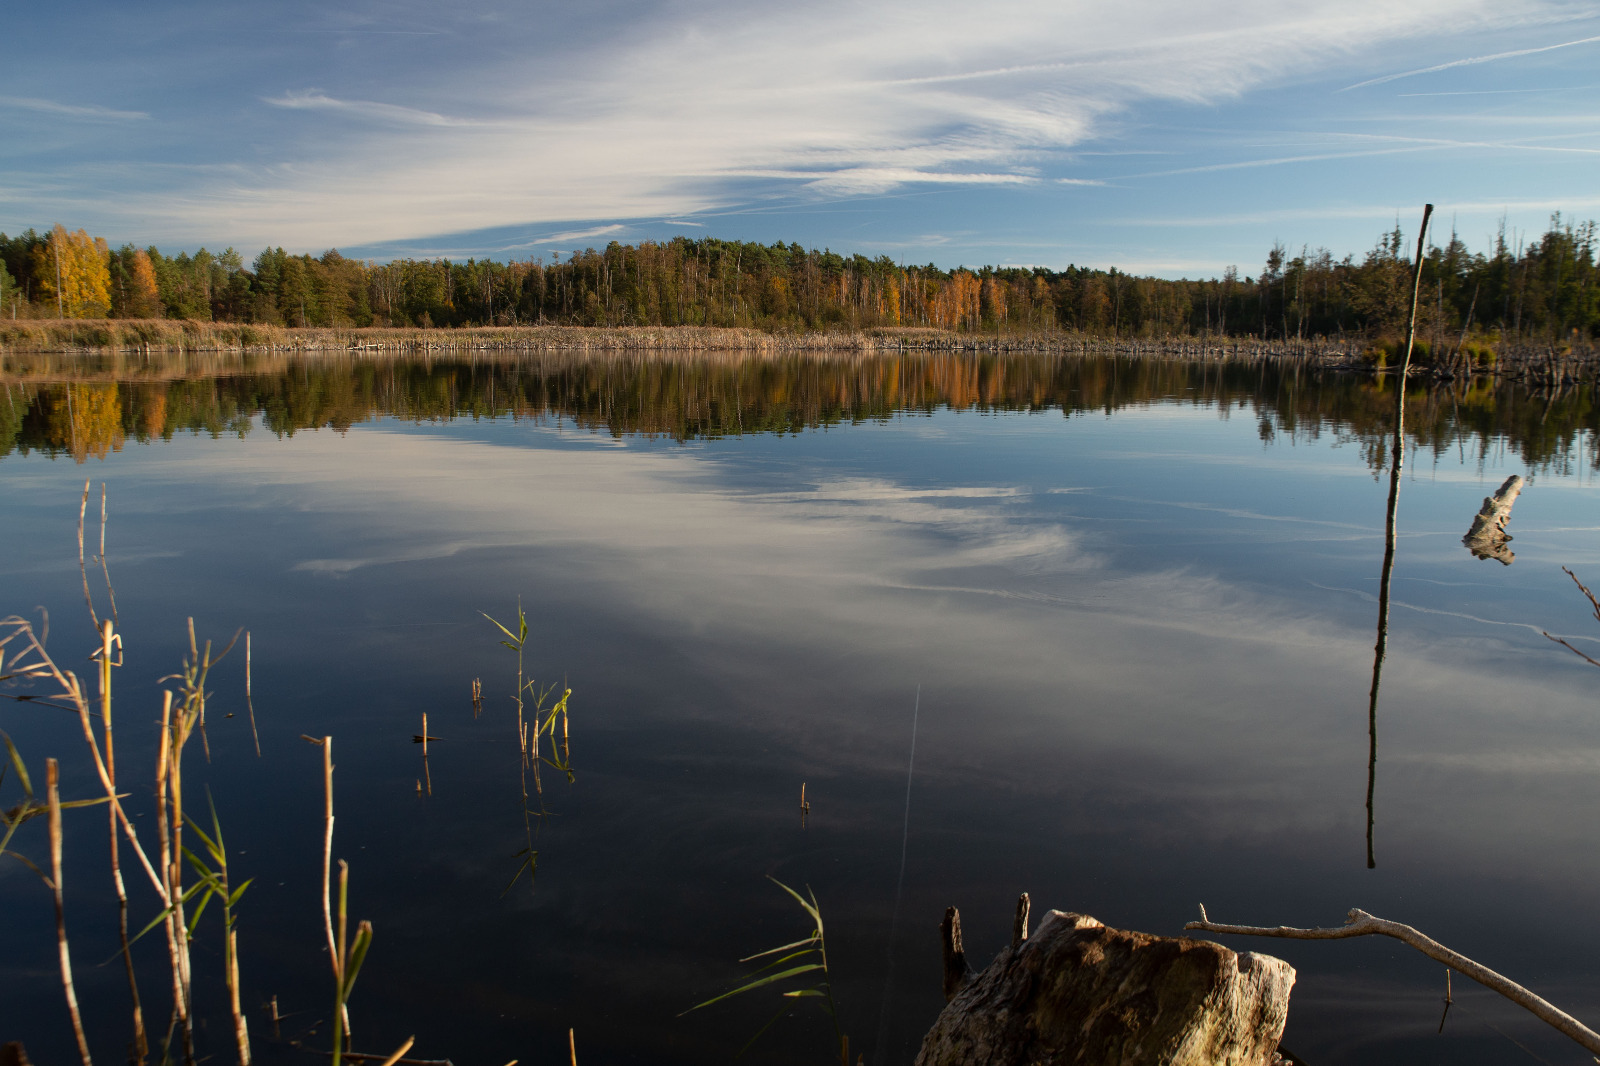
1397 461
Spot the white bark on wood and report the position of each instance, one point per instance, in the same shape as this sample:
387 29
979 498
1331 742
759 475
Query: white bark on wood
1487 538
1360 923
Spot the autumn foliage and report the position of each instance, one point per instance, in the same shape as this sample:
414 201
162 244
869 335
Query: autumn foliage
1544 289
72 270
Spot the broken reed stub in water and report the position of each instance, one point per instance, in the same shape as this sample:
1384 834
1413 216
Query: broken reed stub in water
1487 539
1078 992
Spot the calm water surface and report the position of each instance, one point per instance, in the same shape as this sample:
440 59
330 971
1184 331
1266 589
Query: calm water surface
1138 602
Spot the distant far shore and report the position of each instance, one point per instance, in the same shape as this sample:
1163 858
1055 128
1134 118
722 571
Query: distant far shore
1353 352
141 334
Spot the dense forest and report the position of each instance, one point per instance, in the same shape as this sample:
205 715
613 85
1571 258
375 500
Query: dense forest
1545 289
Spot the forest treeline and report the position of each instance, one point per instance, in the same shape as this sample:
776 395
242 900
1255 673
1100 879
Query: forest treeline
687 398
1545 289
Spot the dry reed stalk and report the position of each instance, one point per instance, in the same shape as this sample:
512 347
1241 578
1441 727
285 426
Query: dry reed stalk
199 694
164 835
399 1052
52 772
335 952
248 701
327 853
141 1043
341 1023
105 570
83 508
572 1045
177 736
354 1056
71 690
241 1030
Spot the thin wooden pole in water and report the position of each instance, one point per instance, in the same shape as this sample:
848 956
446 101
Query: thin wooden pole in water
1380 649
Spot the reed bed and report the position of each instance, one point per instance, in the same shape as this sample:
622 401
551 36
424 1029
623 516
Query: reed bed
1536 362
38 680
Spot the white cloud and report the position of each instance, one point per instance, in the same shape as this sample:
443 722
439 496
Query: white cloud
52 107
1470 61
581 234
687 110
317 100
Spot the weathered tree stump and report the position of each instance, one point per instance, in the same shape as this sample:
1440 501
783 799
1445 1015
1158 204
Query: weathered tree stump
1487 539
1079 993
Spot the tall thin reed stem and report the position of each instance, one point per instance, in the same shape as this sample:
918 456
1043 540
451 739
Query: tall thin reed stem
83 569
249 702
341 1017
164 838
52 772
327 853
141 1043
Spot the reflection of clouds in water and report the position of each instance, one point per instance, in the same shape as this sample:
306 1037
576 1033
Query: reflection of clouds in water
1234 713
984 534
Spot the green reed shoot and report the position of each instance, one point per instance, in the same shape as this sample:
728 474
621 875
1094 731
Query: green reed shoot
807 956
517 642
217 887
347 966
532 723
30 807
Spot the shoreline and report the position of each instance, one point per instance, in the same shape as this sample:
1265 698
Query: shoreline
1543 362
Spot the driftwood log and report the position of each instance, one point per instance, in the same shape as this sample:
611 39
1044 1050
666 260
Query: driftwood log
1077 992
1487 539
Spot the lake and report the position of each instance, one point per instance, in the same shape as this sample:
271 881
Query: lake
1112 621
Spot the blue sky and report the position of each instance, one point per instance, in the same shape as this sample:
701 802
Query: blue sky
1158 136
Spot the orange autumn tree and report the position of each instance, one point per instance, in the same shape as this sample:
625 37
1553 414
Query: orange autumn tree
74 271
144 301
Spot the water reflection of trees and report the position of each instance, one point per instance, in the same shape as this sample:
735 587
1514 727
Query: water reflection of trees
84 405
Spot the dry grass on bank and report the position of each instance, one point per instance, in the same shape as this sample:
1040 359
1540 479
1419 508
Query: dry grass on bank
177 336
140 335
1545 362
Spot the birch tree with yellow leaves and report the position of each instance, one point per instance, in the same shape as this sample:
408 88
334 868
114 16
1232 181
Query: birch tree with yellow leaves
74 270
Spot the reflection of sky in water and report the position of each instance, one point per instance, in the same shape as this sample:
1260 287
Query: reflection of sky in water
1143 644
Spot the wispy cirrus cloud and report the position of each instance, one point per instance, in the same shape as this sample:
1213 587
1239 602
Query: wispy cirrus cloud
1470 61
317 100
812 98
87 111
704 110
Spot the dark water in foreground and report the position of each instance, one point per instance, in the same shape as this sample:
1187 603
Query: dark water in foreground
1138 601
